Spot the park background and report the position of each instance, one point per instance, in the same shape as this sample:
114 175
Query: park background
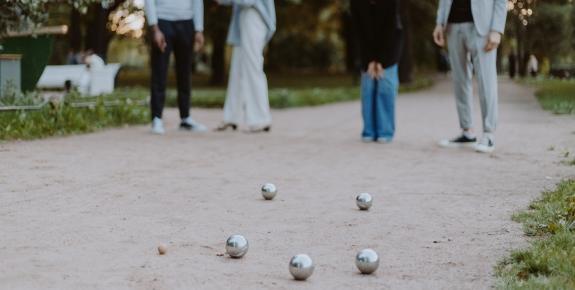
314 38
310 61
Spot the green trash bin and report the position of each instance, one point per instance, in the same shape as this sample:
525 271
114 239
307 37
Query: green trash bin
35 51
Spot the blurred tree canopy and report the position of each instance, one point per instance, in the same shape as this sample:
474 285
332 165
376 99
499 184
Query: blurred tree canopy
20 15
542 28
312 35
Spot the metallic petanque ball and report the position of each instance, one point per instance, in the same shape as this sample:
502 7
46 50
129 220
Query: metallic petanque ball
237 246
367 261
301 267
269 191
364 201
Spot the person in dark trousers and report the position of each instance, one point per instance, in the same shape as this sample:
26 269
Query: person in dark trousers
378 26
176 26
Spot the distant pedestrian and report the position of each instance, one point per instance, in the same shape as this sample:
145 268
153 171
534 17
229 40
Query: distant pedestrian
74 57
252 26
176 26
472 29
93 63
533 65
379 29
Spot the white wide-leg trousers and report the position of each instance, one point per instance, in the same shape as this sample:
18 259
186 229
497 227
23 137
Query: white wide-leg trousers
247 96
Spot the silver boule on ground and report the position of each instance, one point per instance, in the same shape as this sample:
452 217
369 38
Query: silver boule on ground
269 191
301 267
237 246
364 201
367 261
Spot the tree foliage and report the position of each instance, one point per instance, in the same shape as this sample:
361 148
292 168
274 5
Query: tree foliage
542 28
312 35
18 15
549 33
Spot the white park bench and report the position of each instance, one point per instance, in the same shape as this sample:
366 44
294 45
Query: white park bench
101 80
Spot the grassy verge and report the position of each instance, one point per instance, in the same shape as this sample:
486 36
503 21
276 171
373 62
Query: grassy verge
59 119
557 96
549 262
280 98
141 78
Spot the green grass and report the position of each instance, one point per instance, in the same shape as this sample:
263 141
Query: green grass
59 119
557 96
128 77
287 90
549 262
280 98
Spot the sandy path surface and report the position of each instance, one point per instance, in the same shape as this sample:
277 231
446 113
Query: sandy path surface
87 212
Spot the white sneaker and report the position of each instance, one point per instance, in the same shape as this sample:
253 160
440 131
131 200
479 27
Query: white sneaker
158 126
486 145
188 124
383 140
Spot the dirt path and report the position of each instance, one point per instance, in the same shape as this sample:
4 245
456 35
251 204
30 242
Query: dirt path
86 212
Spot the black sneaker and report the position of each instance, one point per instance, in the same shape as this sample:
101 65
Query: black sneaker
458 142
189 124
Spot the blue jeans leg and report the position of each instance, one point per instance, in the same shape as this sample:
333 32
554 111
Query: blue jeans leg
384 110
368 87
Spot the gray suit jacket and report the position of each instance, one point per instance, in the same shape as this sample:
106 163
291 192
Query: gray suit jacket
488 15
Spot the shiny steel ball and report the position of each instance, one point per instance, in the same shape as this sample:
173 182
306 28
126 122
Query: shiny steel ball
237 246
367 261
301 267
269 191
364 201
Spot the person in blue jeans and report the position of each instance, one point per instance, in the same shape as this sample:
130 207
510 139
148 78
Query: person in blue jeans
378 26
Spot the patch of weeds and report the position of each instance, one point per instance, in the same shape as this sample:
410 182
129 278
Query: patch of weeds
549 262
557 96
63 118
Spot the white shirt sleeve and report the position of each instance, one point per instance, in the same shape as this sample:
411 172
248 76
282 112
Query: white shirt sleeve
151 12
198 6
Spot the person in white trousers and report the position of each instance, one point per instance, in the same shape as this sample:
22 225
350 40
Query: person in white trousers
252 26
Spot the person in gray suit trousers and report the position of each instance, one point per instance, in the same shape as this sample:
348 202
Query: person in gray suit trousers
472 30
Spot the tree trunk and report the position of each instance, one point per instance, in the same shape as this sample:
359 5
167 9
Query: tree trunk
98 36
218 76
75 32
351 62
406 59
217 18
521 51
97 33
